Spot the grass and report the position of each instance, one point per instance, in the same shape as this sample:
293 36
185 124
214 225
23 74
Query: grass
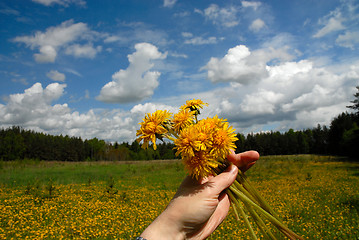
317 197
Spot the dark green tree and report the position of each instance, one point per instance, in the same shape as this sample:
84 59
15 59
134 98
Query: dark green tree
355 102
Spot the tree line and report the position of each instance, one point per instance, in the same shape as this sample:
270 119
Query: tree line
18 143
340 138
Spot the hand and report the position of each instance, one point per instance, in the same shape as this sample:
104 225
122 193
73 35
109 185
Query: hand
199 207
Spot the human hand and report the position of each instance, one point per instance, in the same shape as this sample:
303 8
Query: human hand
199 207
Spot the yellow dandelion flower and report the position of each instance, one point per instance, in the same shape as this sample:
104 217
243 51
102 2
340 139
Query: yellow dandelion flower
223 141
213 123
152 127
204 137
182 119
187 142
194 105
200 165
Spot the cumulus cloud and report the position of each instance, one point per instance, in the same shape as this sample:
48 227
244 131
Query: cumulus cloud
56 75
137 82
287 94
47 54
257 25
238 65
294 94
35 109
54 38
226 16
33 103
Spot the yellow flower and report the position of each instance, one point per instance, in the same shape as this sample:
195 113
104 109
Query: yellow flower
223 141
200 165
152 127
204 145
187 142
204 137
194 105
182 119
213 123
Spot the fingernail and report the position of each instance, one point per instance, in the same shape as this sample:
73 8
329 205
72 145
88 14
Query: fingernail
231 169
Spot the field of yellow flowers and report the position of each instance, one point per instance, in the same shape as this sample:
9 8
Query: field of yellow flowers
316 196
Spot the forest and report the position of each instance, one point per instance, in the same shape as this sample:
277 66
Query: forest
341 138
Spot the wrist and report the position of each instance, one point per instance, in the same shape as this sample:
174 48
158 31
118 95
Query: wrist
164 227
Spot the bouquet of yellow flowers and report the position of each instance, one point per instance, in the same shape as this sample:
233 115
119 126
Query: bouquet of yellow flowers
204 146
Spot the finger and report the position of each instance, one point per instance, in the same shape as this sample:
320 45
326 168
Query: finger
243 160
218 215
206 179
223 180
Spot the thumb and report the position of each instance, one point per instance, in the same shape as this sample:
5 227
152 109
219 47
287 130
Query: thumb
223 180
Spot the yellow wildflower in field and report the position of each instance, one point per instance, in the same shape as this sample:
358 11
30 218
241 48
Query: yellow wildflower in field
152 127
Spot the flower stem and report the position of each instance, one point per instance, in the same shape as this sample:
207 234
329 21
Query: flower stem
241 211
270 217
243 180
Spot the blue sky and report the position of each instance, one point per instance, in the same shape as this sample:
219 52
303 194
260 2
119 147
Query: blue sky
94 68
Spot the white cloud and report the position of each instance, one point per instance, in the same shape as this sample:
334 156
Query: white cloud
187 34
261 102
332 22
85 51
226 17
47 54
169 3
257 25
56 76
293 95
111 39
201 41
32 104
20 80
238 65
54 38
333 25
66 32
64 3
348 39
137 82
254 5
34 109
141 109
283 95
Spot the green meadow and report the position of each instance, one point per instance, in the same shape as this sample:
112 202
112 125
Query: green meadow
316 196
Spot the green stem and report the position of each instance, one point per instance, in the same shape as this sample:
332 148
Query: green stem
241 211
255 216
270 217
262 226
243 179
